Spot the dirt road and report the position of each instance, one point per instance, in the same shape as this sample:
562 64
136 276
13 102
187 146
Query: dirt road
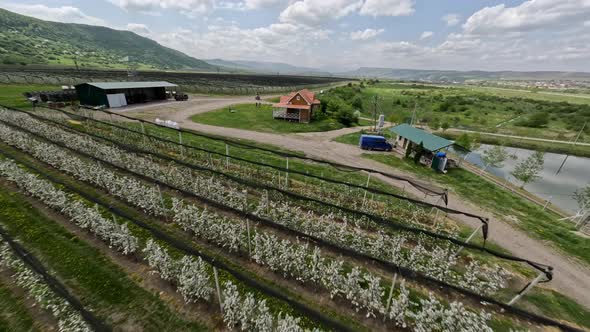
571 277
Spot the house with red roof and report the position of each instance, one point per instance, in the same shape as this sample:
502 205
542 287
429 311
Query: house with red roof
297 106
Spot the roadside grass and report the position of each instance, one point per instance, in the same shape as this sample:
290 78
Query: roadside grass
14 315
12 94
97 282
576 150
528 216
250 117
551 303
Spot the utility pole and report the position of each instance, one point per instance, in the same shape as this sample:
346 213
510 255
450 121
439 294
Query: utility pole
575 141
414 114
375 113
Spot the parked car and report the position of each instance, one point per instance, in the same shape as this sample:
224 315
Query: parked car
374 142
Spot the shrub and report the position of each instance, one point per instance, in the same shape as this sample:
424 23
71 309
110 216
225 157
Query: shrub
536 120
357 102
346 116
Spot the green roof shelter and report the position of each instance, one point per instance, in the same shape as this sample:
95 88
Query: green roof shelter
119 94
406 134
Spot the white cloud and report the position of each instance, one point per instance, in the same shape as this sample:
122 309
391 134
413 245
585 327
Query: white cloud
365 34
284 42
426 34
315 12
65 14
530 15
140 29
452 19
187 7
387 8
259 4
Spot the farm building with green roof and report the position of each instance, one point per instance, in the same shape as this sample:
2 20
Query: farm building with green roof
407 134
119 94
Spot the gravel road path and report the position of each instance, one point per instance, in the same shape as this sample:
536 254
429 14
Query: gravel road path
571 277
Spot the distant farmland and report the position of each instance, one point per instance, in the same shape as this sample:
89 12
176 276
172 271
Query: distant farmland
193 82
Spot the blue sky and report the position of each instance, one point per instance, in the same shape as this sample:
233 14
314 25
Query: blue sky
345 34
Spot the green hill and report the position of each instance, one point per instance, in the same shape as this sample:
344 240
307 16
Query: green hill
27 40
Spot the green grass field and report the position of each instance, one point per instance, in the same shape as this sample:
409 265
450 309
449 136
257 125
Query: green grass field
498 110
12 94
248 116
583 99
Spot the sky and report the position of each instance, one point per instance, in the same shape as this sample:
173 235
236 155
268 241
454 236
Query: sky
340 35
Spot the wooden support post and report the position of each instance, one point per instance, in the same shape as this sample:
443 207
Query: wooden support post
287 175
547 202
180 141
249 238
527 289
469 238
143 132
390 296
218 289
367 187
162 202
436 218
226 156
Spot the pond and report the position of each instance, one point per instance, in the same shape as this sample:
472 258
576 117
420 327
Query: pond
557 188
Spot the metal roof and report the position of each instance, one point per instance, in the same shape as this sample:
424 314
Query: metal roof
431 142
130 85
373 136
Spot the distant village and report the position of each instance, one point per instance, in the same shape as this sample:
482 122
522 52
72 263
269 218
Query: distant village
530 84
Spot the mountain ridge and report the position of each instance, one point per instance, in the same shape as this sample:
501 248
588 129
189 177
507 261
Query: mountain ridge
270 67
27 40
461 76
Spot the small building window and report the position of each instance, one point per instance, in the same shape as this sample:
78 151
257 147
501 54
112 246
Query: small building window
298 97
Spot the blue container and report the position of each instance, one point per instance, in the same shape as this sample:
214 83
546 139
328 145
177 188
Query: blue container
374 142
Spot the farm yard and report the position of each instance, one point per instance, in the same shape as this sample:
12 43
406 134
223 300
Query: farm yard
256 238
248 116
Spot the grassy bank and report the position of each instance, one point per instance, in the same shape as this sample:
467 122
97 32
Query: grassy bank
250 117
576 150
552 304
526 215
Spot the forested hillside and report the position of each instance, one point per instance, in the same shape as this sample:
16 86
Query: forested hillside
27 40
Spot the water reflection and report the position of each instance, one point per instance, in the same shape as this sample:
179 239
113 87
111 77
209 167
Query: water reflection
556 188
